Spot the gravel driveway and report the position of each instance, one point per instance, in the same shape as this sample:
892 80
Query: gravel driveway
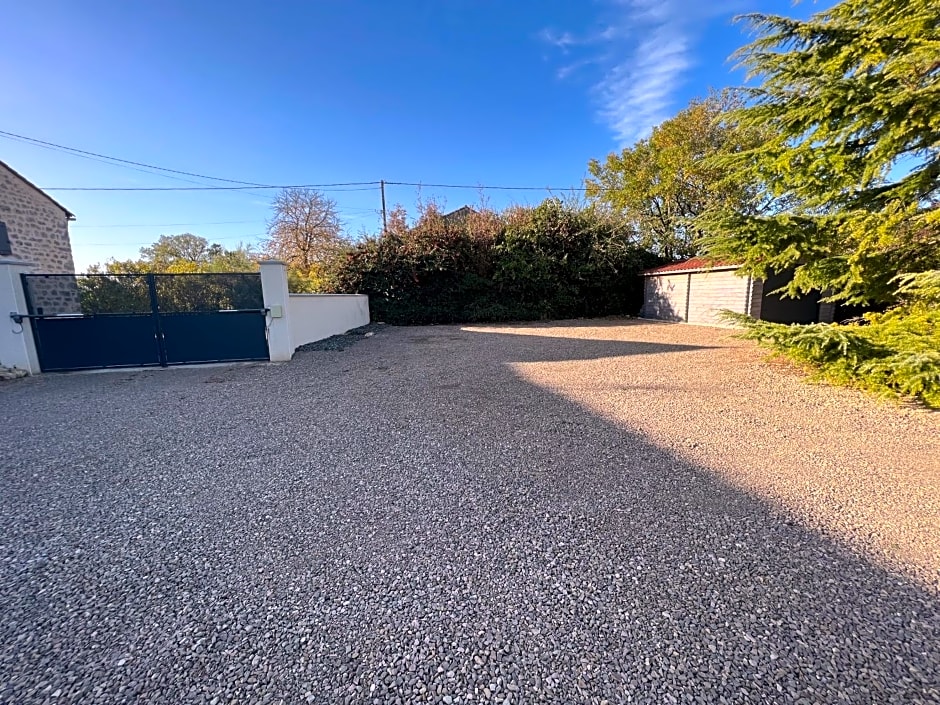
590 512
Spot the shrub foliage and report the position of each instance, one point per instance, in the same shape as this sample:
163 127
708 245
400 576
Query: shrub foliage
552 261
896 353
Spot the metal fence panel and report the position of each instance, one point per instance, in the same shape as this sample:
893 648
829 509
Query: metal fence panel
211 337
208 292
117 320
75 343
86 294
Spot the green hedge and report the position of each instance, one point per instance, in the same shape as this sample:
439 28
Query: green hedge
548 262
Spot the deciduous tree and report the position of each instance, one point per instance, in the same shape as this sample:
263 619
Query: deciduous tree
660 184
186 251
181 254
304 232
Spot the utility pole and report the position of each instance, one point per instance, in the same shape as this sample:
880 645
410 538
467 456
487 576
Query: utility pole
384 214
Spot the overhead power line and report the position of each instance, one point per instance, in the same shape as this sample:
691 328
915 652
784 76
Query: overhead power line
488 188
354 186
124 161
165 225
100 161
256 221
341 187
248 185
240 238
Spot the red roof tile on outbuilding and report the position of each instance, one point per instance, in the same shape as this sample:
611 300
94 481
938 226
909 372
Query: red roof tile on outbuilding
694 264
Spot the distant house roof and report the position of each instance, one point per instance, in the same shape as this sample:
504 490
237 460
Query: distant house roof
68 213
695 264
459 215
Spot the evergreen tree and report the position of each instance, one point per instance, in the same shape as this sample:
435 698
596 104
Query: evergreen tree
851 98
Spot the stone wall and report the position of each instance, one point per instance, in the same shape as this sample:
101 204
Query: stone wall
53 295
37 226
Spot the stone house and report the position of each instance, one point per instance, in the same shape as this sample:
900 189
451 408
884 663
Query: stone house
33 226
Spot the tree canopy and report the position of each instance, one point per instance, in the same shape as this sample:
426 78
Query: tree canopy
182 254
305 231
851 98
660 184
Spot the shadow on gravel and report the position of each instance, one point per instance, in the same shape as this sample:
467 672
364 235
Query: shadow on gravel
419 525
534 348
574 323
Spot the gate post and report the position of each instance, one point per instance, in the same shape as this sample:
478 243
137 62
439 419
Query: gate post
17 347
155 313
276 300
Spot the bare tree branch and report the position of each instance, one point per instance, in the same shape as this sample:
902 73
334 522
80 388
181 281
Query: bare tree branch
305 229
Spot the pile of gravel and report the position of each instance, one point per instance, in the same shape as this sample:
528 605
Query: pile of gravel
338 343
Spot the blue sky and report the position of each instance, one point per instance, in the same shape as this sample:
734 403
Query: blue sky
520 92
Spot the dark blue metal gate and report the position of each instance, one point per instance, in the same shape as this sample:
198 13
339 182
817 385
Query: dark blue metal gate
140 320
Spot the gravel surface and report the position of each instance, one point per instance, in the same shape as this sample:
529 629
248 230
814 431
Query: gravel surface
339 343
586 512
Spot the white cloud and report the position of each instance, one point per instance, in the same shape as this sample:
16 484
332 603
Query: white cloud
644 51
636 94
568 69
563 40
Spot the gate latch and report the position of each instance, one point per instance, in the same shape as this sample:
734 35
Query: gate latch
17 317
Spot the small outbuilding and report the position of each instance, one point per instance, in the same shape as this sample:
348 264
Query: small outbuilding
698 289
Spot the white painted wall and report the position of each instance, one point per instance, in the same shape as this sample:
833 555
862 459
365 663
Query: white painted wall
274 286
298 319
317 316
17 349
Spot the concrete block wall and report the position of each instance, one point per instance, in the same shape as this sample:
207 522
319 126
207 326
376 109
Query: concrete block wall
38 227
666 297
755 297
827 312
698 297
714 291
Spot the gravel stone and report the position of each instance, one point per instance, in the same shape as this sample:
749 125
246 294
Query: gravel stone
338 343
573 512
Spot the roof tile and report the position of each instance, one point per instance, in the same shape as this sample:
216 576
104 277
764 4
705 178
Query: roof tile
695 263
